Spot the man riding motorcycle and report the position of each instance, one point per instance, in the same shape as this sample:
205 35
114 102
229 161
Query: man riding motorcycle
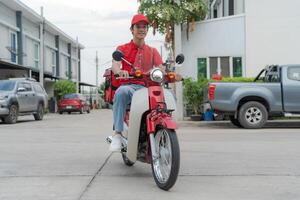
143 58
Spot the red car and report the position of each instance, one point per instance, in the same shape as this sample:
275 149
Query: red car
73 103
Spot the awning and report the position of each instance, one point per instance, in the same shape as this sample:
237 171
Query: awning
86 84
13 66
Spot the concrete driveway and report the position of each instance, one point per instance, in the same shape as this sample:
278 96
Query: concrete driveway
65 157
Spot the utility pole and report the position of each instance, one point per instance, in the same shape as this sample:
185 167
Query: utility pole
77 67
41 77
97 68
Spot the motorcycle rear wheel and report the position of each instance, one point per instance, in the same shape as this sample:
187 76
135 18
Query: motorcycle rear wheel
165 168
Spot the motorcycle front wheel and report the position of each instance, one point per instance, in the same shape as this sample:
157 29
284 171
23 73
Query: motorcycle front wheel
165 167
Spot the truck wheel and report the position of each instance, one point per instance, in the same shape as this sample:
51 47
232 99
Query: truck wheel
39 113
253 115
235 121
12 116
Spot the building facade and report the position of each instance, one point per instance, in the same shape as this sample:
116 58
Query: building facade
240 37
31 45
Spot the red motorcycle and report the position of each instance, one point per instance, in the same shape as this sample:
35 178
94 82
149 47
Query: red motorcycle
150 131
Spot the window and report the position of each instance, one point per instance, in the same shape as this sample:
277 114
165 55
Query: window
213 65
36 55
202 72
237 67
231 7
294 73
272 75
67 66
225 69
26 86
13 46
53 62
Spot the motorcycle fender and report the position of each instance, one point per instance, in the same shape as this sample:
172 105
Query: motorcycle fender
139 105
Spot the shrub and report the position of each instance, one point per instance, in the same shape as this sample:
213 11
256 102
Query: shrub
235 79
193 92
63 87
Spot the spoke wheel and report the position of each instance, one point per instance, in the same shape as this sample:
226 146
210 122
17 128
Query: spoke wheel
165 167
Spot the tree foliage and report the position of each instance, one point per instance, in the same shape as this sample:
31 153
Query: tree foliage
63 87
164 14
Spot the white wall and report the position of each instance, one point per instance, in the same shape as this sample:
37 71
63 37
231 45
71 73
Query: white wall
29 50
48 59
272 33
31 28
213 38
239 7
63 46
49 39
7 15
63 66
4 42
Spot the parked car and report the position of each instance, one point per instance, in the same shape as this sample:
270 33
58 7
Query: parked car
21 96
73 103
274 92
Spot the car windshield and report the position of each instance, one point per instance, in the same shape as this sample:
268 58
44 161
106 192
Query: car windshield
7 85
71 96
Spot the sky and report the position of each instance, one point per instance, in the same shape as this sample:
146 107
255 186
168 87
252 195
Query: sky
100 25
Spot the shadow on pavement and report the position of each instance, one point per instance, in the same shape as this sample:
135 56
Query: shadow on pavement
269 125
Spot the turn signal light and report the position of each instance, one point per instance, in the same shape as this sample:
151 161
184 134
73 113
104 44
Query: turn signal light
138 73
171 75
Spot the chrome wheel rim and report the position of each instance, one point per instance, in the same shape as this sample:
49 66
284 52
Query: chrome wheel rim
253 115
13 113
162 165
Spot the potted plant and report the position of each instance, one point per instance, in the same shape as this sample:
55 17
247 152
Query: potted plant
194 95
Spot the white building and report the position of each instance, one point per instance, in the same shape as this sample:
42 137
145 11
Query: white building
30 44
240 37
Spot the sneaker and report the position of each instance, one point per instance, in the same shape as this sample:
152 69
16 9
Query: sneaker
116 144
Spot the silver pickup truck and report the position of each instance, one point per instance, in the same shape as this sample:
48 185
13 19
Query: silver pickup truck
274 92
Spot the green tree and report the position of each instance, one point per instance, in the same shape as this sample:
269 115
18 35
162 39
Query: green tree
165 14
63 87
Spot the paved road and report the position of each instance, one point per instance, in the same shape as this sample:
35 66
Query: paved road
65 157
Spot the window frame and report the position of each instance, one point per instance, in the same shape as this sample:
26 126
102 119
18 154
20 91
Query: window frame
233 66
36 60
53 62
15 55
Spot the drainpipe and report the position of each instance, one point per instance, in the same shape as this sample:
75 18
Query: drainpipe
20 37
70 62
57 56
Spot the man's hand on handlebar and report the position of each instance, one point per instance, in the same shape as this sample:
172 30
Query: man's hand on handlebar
123 74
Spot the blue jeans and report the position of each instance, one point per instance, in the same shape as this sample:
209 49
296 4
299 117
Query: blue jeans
121 100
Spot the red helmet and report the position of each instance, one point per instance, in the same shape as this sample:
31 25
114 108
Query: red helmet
139 18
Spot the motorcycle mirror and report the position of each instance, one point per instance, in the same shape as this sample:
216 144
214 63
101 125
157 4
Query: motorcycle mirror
180 59
117 55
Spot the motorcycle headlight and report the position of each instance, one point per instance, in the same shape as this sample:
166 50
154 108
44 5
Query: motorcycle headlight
157 75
